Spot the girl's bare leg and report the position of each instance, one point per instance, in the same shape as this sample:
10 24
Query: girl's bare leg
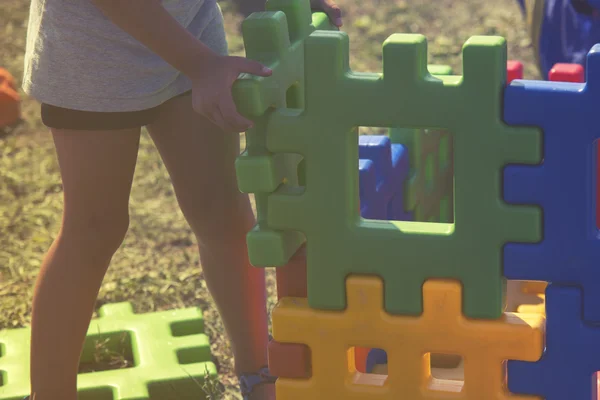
97 170
200 160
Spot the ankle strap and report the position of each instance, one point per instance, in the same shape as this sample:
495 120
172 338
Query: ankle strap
249 381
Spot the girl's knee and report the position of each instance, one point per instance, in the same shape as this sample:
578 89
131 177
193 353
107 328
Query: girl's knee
100 232
222 229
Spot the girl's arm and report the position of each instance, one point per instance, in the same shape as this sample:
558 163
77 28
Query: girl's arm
149 23
212 75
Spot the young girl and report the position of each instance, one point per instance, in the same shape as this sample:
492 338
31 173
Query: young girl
102 69
562 31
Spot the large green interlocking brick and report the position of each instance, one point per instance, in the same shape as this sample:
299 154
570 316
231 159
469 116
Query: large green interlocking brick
404 254
170 354
275 38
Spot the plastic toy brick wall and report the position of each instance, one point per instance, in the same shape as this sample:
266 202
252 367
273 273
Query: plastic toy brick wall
524 209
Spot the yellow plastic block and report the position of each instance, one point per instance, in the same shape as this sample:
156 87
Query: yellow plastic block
408 341
533 308
524 297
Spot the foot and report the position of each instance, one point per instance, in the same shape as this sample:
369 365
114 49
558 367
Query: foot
263 392
258 386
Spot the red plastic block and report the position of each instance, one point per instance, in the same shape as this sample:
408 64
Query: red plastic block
567 73
360 358
291 278
514 70
287 360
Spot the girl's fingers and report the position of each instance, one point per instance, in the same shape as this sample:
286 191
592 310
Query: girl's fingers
252 67
214 115
331 9
334 13
229 111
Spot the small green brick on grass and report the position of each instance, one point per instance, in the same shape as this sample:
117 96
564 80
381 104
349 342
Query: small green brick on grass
155 356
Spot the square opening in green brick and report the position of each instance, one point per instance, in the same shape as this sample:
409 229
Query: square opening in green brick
193 355
3 380
447 372
107 351
188 327
100 393
426 192
293 96
372 130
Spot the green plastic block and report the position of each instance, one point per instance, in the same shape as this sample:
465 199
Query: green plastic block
404 254
298 14
170 354
257 174
321 22
431 175
432 180
283 246
440 69
264 174
275 38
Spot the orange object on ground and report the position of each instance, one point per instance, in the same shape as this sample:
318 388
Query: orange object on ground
10 101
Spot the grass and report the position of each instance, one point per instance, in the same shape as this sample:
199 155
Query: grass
157 267
108 354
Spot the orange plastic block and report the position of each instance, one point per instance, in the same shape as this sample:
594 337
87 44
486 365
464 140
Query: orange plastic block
291 278
360 359
408 341
289 360
534 287
10 101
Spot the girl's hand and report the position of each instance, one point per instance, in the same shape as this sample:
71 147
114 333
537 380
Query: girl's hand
211 90
330 8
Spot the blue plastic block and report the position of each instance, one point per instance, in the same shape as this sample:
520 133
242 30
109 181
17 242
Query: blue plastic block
397 210
372 204
377 148
572 355
375 357
563 185
390 163
400 167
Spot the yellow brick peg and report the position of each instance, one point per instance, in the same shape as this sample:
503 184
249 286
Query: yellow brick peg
535 287
484 345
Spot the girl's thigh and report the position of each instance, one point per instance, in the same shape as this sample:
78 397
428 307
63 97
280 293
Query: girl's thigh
200 159
97 170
